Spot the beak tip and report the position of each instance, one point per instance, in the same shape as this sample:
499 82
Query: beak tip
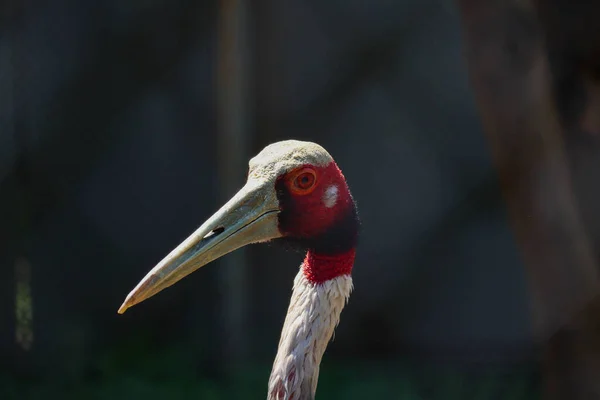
123 307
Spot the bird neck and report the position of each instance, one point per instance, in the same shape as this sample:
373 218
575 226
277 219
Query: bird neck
319 268
313 314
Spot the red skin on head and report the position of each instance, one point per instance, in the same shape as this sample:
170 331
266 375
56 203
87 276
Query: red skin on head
307 216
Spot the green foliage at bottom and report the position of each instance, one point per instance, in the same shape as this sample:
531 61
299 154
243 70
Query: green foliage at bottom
135 373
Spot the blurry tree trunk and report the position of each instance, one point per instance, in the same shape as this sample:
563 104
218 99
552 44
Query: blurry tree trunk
268 83
511 75
232 153
16 271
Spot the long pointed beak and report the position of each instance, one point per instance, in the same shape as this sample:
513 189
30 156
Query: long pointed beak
249 217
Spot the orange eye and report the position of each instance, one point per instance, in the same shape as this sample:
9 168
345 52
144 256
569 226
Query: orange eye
304 181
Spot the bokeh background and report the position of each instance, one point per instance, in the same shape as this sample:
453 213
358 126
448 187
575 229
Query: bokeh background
125 124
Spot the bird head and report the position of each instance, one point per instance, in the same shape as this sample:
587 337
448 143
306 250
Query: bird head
295 193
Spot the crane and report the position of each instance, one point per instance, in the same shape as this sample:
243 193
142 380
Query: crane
295 193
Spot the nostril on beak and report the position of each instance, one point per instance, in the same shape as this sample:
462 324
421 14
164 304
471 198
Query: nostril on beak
214 233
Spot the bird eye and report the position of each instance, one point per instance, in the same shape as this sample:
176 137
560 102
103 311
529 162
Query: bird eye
304 181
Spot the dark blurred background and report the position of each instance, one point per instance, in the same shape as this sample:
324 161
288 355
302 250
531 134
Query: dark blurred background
125 124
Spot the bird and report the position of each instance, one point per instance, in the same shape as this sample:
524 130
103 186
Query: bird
295 194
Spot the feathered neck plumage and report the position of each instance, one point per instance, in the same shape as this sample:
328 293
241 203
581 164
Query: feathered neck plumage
313 314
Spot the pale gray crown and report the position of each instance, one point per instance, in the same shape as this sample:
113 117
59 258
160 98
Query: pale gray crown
281 157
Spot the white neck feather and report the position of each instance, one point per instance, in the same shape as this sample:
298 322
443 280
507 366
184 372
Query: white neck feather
312 316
